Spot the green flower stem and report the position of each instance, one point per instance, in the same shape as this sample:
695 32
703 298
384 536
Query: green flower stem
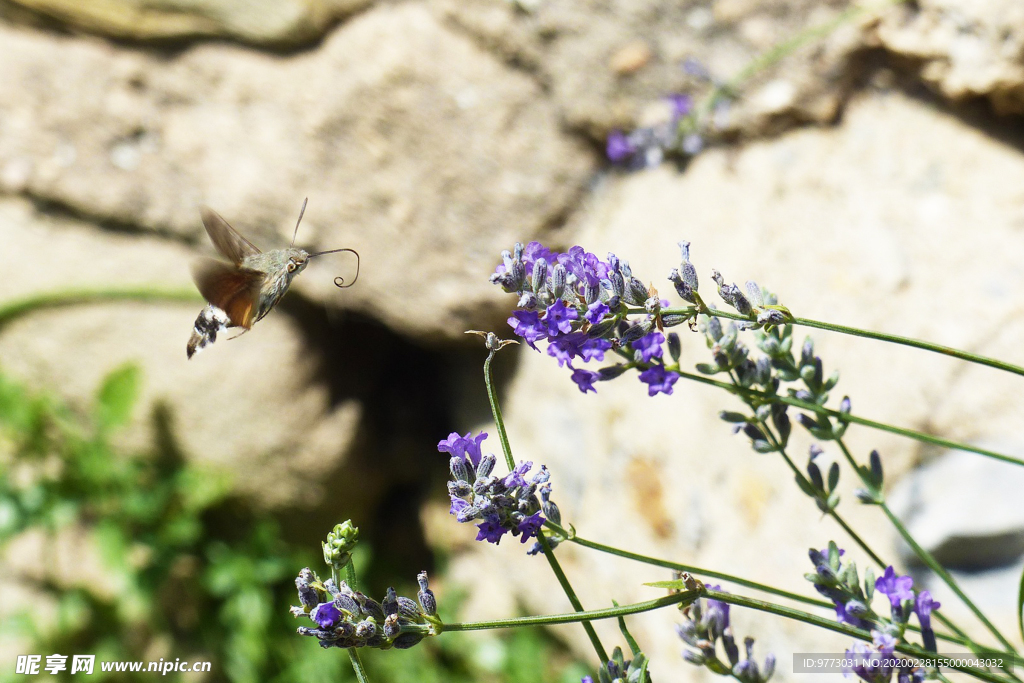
549 553
357 665
699 571
830 625
576 617
709 573
353 653
766 429
496 412
849 417
856 537
77 296
857 332
350 575
924 555
690 596
915 343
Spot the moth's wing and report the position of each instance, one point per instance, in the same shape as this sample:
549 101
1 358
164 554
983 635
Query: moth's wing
234 290
232 245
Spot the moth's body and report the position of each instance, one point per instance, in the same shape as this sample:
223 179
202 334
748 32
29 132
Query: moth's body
244 289
277 268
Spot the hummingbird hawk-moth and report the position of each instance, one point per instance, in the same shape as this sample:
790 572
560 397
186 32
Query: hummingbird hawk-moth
243 290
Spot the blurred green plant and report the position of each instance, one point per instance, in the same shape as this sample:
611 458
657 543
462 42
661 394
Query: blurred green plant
139 562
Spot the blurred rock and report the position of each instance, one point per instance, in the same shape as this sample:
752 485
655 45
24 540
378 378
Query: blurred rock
965 510
964 50
892 219
605 62
253 406
413 145
277 23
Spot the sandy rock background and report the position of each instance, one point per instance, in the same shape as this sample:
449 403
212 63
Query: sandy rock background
872 178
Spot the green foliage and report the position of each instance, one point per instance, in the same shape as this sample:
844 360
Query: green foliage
165 577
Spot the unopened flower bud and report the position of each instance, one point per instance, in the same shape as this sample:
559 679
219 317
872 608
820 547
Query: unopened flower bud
340 543
754 294
458 468
407 640
540 273
426 596
557 281
486 465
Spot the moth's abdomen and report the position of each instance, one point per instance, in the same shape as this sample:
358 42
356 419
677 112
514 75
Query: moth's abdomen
211 320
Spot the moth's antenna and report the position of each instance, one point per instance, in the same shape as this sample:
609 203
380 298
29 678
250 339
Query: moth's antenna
301 211
339 282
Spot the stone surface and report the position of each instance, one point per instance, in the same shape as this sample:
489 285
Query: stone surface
252 407
966 510
605 62
413 146
965 50
888 222
278 23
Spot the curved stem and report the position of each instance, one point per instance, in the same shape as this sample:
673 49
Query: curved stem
549 553
722 576
700 571
574 617
77 296
499 423
849 417
859 332
914 343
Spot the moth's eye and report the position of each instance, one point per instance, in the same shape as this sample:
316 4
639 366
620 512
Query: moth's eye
291 266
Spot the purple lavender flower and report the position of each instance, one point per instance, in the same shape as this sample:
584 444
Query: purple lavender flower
466 447
326 615
587 267
658 380
517 477
559 318
649 346
618 147
585 379
491 531
534 252
898 588
528 325
718 611
596 312
593 349
873 661
567 347
682 105
923 608
529 527
458 505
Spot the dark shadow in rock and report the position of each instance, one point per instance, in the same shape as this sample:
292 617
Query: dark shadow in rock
412 396
978 553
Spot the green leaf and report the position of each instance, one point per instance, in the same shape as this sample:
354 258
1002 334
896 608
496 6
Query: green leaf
1020 606
630 640
833 476
116 397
